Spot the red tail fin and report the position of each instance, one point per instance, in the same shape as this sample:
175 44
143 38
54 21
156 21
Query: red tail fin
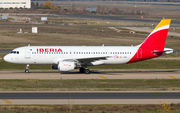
157 37
154 43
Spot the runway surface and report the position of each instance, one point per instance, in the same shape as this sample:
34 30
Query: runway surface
55 98
93 75
174 23
91 95
5 50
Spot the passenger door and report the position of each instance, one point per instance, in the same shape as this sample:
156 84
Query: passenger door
27 53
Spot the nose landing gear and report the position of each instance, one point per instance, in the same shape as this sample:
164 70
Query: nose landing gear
27 68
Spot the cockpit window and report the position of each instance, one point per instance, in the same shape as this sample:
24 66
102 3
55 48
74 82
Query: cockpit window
14 52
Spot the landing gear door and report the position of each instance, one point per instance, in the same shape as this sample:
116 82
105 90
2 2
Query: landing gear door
27 53
139 53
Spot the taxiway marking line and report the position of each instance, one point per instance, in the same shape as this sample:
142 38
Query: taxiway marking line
103 77
172 77
7 101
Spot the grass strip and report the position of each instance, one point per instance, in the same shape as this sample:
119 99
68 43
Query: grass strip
91 85
149 108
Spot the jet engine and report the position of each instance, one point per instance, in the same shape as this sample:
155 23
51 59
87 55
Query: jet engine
66 66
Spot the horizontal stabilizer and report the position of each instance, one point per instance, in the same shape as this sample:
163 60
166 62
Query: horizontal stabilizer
166 51
161 51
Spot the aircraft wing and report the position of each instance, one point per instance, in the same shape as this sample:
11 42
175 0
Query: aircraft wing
86 59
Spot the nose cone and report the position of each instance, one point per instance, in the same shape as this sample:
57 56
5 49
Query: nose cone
6 58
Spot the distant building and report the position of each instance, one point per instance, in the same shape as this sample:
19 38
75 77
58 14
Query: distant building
15 3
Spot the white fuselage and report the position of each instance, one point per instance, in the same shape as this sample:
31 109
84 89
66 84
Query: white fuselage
54 54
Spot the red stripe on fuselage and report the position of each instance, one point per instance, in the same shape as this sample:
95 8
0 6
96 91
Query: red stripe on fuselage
155 42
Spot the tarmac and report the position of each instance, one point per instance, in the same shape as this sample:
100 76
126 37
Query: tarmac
174 23
88 98
85 101
174 74
91 95
61 98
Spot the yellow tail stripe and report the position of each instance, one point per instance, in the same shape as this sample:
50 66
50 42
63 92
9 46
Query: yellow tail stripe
163 23
7 101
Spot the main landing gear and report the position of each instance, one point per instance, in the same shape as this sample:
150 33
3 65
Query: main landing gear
27 68
84 70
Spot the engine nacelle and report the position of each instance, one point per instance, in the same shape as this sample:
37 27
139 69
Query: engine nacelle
66 66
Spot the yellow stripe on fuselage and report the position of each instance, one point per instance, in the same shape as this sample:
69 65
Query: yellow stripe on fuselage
163 22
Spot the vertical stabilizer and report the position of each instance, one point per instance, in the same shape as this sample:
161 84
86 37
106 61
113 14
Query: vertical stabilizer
157 37
154 44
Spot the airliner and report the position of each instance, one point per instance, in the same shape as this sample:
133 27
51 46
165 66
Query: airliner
67 58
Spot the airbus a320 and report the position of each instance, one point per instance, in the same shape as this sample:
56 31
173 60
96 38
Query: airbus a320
67 58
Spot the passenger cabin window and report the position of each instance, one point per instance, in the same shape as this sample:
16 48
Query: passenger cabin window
17 2
7 2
